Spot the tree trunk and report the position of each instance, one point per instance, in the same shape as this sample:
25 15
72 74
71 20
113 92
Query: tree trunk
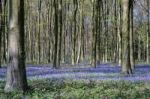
139 48
126 68
131 34
39 31
120 36
147 54
55 62
94 59
16 72
0 31
61 31
74 56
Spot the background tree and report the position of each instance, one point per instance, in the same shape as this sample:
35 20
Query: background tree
55 63
148 34
81 32
126 68
0 29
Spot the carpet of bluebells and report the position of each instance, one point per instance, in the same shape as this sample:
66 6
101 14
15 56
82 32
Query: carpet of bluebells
103 82
102 72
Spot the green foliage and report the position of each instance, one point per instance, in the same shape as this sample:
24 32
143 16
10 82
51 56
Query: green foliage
81 89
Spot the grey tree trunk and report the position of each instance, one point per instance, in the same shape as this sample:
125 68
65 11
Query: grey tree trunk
16 72
147 54
0 30
126 68
131 34
39 31
55 61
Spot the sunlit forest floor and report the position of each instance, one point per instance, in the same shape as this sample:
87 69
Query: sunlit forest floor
103 82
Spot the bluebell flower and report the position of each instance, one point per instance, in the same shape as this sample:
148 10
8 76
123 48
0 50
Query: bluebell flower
102 72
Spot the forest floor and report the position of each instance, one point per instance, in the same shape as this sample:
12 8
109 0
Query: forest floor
101 72
103 82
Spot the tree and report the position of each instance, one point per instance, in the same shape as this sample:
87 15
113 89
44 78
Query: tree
126 68
61 31
0 29
94 38
74 35
2 23
39 31
16 72
148 33
120 36
55 61
131 33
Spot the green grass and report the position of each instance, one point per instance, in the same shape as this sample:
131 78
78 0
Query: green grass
81 89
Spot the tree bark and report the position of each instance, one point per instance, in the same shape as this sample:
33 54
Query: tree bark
126 68
55 62
131 34
16 72
0 31
148 34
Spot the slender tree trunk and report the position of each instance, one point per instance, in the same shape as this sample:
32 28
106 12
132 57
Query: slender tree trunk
39 31
126 68
115 51
106 32
61 31
80 38
99 29
120 36
75 2
0 31
55 63
148 34
131 34
49 11
139 48
94 58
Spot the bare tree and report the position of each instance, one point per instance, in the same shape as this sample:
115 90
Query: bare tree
126 68
0 29
16 72
148 33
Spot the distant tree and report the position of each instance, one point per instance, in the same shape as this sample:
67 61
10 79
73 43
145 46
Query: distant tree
16 72
0 30
120 35
75 31
74 35
60 31
94 35
39 31
148 33
55 60
131 33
